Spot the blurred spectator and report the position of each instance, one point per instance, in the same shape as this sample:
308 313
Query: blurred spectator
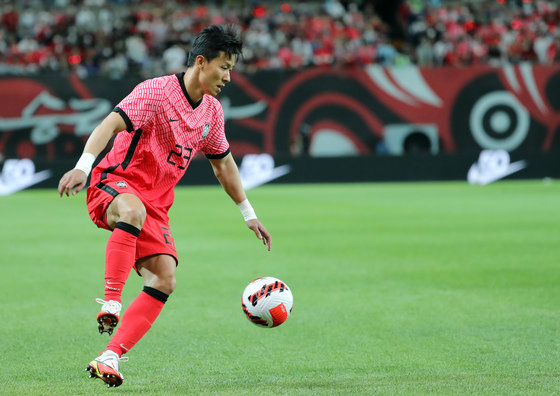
386 53
425 55
174 59
553 52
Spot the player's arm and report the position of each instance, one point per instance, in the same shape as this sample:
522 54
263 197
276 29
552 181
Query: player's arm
75 179
227 174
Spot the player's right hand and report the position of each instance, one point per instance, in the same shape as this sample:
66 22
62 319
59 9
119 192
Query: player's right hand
73 180
260 231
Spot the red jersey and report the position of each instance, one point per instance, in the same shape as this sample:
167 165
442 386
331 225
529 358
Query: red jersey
165 130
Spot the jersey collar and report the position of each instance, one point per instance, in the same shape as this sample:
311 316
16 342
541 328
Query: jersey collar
194 105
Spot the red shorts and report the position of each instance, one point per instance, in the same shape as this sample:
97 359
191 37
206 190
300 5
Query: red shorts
155 236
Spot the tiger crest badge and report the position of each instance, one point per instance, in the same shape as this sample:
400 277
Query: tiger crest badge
205 130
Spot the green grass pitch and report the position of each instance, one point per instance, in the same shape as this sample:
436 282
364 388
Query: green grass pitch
399 288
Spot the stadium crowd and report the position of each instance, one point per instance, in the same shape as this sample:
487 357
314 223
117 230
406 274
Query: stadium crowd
115 37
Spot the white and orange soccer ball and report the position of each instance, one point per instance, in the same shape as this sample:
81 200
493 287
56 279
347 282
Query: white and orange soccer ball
267 302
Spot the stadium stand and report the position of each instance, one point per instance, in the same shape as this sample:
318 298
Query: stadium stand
115 37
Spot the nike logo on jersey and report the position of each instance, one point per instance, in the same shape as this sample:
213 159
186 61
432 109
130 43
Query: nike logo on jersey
172 120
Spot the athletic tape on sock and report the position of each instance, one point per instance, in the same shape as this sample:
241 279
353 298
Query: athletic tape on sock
158 295
121 225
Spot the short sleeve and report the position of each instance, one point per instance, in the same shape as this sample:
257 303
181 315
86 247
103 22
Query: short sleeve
216 145
141 105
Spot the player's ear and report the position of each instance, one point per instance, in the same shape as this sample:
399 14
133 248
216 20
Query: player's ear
200 61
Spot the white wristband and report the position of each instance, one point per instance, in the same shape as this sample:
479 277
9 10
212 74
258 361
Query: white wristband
247 210
85 163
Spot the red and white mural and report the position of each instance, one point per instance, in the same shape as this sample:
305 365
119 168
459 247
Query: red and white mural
315 112
375 110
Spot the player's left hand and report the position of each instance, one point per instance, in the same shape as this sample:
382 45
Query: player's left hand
73 181
260 231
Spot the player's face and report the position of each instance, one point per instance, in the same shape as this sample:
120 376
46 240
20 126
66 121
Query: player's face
216 73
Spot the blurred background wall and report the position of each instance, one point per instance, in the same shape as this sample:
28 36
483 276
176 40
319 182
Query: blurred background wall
326 90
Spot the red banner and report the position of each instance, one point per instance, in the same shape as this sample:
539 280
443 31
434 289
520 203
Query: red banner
316 112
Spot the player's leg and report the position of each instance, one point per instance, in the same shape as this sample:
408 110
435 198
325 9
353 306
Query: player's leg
158 273
159 282
125 215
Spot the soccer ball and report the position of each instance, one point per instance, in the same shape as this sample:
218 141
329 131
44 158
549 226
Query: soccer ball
267 302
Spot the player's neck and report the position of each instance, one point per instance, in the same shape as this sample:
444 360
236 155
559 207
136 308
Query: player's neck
191 84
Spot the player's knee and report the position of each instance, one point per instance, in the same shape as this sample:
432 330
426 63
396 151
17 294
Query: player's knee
166 284
134 216
172 285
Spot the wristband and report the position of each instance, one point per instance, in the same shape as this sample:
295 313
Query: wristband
85 163
247 210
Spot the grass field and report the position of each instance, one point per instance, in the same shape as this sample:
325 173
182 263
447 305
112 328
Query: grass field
419 288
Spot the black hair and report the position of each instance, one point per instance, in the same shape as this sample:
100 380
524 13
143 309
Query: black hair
213 39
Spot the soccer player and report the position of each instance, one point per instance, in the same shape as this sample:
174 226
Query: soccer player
159 128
